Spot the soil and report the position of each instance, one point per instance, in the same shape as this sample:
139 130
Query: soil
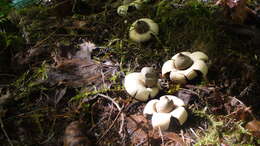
49 82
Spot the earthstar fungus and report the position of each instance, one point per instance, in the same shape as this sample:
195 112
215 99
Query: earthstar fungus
142 85
143 29
127 6
185 66
122 10
164 110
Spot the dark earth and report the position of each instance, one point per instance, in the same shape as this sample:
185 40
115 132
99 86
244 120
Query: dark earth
53 92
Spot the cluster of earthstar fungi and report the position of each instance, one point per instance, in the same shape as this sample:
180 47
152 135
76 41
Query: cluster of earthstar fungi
181 68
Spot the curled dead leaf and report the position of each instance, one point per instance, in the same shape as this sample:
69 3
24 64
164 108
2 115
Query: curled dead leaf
237 10
254 128
175 137
138 129
74 135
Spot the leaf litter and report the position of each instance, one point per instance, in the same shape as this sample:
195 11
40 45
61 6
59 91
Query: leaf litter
232 90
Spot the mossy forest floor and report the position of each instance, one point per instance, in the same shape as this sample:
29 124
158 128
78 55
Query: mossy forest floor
43 87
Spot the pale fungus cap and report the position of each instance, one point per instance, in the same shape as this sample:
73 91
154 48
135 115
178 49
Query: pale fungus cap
164 109
137 4
122 10
142 85
185 66
143 29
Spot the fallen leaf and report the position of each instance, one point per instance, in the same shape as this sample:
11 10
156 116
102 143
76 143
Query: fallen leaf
187 95
138 129
243 113
74 135
254 128
175 137
79 24
236 9
85 50
4 98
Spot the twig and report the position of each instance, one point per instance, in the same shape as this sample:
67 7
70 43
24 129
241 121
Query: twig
142 142
120 113
189 90
192 131
182 136
105 133
122 124
95 125
8 75
112 100
161 135
42 41
5 133
205 89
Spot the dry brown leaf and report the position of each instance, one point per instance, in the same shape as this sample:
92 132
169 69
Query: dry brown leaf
79 24
243 113
236 9
5 97
229 3
175 137
138 129
74 135
79 72
240 12
188 96
254 127
78 69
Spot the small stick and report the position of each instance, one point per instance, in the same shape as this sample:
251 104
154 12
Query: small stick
5 133
194 133
112 100
42 41
160 132
182 136
120 113
105 133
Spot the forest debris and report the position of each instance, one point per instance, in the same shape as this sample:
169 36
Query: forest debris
242 113
236 9
4 98
187 95
74 135
78 69
137 128
5 132
85 51
79 24
119 113
59 93
174 137
254 127
38 49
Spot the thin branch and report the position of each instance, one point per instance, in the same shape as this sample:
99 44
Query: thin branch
5 133
112 100
105 133
161 135
120 113
42 41
193 132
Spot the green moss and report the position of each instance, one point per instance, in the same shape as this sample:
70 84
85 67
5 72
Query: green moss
30 82
187 27
182 27
219 132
